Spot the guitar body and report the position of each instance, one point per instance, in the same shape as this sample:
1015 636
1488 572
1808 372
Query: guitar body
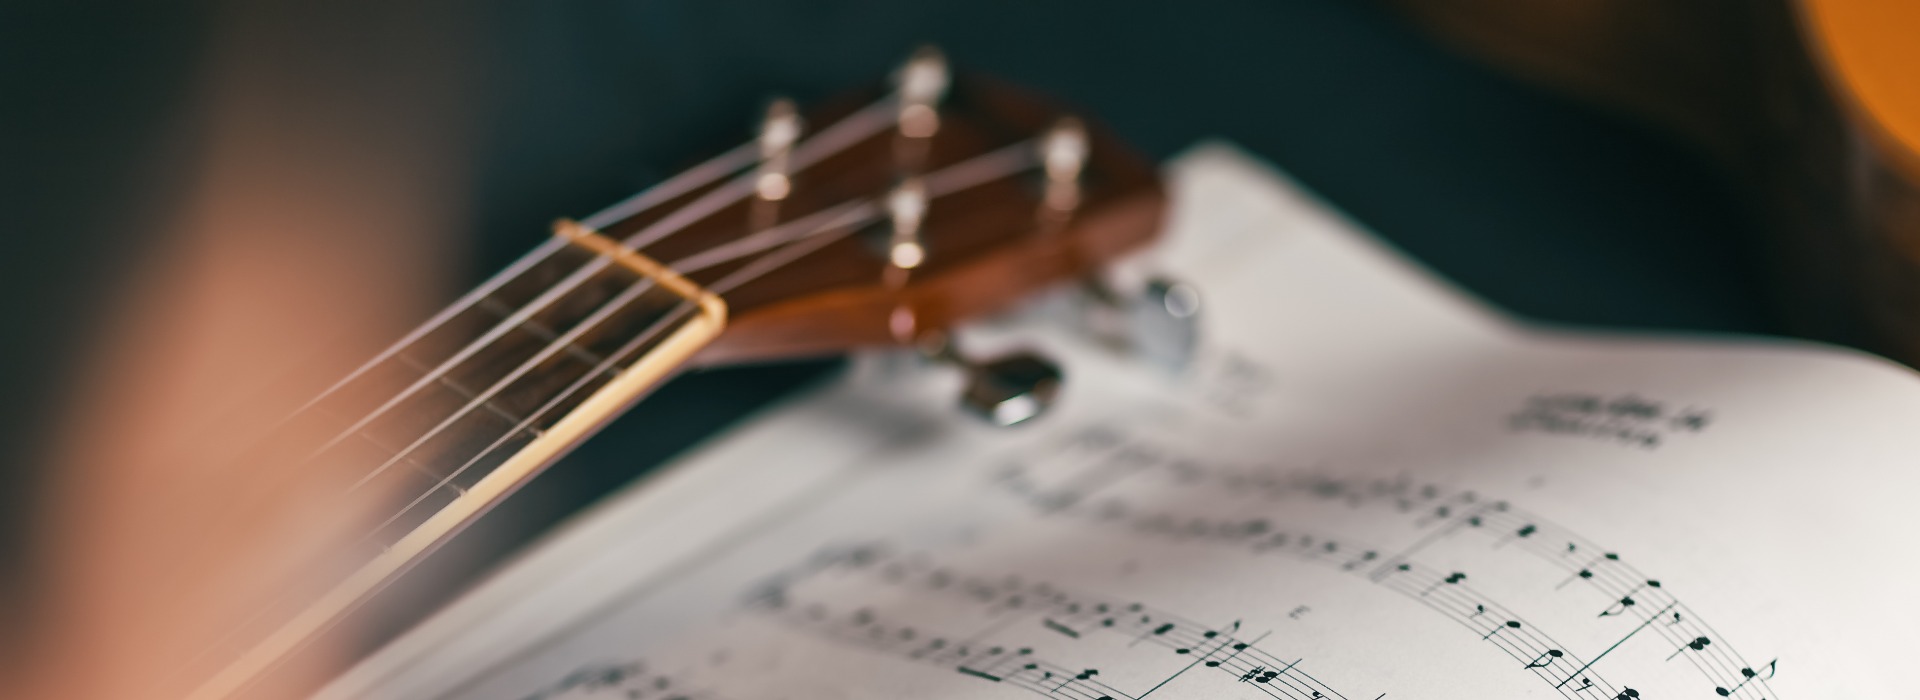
1812 106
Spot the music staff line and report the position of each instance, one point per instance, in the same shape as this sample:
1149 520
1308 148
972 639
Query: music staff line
1522 641
628 680
1731 675
1056 612
1727 665
1020 668
1321 549
1627 589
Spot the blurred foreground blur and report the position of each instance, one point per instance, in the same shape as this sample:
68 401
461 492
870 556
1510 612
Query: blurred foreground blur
319 184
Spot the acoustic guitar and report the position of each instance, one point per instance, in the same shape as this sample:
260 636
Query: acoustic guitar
881 220
1813 106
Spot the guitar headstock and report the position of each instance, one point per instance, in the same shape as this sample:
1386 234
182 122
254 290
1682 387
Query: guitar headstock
888 217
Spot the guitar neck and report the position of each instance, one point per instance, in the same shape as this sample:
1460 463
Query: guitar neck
451 419
891 222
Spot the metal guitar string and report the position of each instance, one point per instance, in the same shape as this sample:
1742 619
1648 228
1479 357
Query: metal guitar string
841 135
844 133
864 123
798 238
686 181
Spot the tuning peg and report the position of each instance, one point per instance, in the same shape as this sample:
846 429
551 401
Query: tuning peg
779 129
1063 155
1005 391
1160 324
922 83
1165 322
906 209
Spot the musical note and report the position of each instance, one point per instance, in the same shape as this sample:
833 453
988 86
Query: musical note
1261 674
1237 648
1616 645
1452 579
1627 694
1524 532
1160 631
1543 659
1698 643
630 676
1057 627
1365 557
1460 516
1511 624
1582 574
1624 603
1080 677
1747 675
979 674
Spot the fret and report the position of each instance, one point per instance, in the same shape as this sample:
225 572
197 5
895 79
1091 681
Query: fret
456 388
540 330
462 448
435 475
464 409
411 461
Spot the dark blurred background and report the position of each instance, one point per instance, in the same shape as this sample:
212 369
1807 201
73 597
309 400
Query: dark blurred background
1554 210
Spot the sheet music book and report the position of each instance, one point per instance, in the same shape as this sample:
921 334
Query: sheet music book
1367 487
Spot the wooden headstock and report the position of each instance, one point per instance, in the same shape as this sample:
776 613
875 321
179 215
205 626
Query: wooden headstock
997 220
905 211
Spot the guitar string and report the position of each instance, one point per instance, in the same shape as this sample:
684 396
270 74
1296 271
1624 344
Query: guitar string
1004 162
686 181
843 134
966 169
988 167
849 131
833 139
830 141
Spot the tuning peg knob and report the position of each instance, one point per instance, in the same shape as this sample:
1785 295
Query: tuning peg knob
1163 323
1007 390
1160 324
1012 389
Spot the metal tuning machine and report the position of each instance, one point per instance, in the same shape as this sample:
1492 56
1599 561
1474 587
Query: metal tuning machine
1159 323
1004 391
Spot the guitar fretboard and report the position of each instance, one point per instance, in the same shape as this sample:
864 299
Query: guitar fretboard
417 441
439 415
871 230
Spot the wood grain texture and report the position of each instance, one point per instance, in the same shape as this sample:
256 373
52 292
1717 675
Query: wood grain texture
987 245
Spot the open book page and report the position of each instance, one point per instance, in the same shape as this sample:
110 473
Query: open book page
1366 487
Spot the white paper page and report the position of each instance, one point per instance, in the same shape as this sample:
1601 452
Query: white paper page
1368 487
